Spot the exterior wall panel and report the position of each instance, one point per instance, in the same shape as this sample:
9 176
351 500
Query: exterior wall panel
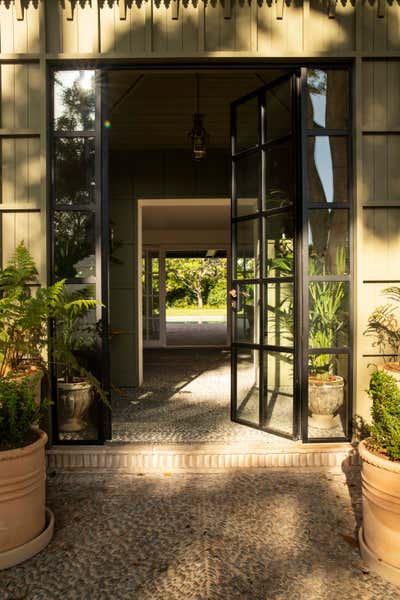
151 29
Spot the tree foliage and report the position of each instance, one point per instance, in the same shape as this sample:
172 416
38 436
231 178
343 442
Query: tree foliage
195 278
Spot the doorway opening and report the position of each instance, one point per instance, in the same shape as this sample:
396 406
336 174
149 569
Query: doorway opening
171 214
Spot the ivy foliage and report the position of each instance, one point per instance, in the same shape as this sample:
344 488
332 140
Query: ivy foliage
385 411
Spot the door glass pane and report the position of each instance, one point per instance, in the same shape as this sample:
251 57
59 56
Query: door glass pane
328 395
247 249
278 391
327 105
74 244
279 321
246 315
328 315
247 184
247 385
77 406
279 110
247 124
74 100
74 171
279 175
151 295
280 245
328 242
328 169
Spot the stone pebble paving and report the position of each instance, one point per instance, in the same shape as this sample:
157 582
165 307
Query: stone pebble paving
239 535
185 397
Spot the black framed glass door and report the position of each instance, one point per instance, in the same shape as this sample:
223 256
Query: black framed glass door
264 294
79 245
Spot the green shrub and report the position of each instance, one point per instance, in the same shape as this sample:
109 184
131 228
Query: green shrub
385 411
18 412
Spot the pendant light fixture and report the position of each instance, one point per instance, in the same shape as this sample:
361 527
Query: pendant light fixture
198 135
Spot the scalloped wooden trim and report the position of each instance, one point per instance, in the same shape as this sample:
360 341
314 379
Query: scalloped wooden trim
19 10
122 10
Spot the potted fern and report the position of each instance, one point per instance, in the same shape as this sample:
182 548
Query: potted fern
380 533
384 327
74 335
23 339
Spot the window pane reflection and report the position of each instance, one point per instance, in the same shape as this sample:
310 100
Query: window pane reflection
279 110
280 314
74 171
74 100
327 169
278 391
246 313
280 251
328 242
327 98
247 124
247 385
279 175
328 318
328 397
74 245
247 184
247 249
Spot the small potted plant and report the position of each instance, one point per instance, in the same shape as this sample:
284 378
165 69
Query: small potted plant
380 533
384 327
325 388
74 336
24 528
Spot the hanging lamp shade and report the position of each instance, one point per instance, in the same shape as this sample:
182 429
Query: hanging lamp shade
198 135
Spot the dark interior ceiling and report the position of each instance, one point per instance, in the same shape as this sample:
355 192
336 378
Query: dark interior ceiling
152 109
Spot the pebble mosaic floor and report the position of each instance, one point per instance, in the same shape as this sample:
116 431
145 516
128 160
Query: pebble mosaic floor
244 535
185 397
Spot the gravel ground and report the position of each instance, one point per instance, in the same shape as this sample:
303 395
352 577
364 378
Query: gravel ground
244 535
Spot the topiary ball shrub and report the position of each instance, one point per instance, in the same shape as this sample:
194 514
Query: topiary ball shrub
18 412
385 411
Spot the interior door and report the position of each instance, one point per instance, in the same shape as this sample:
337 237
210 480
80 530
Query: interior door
264 292
153 297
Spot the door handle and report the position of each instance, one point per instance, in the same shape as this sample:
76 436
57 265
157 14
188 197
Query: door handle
234 299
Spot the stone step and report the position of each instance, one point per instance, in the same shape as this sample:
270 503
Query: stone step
192 457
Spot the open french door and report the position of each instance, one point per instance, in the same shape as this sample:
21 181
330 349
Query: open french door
264 296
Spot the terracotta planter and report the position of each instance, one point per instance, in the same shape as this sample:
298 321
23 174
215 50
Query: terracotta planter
393 369
380 533
74 401
325 397
22 502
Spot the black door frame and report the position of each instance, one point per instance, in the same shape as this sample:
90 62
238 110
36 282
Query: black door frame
102 201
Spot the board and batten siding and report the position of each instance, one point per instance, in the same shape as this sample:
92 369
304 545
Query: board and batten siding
367 32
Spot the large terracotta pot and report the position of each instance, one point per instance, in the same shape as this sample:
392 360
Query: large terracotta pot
325 397
393 369
74 400
22 502
380 533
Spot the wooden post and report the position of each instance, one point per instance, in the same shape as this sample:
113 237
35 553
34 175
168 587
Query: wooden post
381 8
227 9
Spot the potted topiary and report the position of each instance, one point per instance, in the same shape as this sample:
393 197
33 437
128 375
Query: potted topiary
26 526
380 533
384 327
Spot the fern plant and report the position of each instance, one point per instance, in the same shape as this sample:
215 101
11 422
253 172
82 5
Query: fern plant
25 338
384 325
385 411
